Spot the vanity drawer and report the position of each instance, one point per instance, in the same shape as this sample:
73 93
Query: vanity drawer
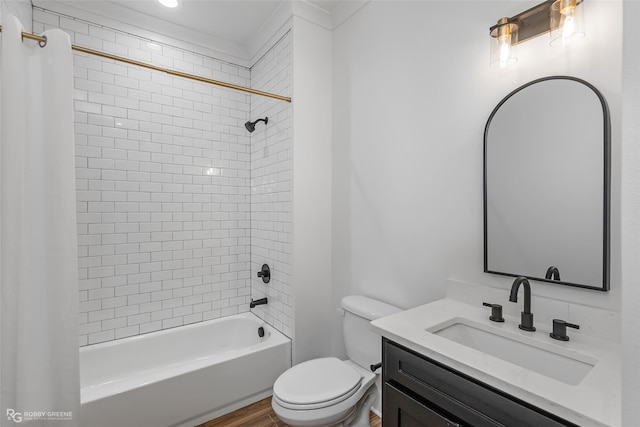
470 400
401 410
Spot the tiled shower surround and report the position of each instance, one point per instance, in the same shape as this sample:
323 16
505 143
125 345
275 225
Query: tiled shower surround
163 172
272 186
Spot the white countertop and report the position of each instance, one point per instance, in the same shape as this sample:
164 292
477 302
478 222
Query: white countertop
595 401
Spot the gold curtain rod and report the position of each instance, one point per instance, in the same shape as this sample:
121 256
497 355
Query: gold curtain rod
43 39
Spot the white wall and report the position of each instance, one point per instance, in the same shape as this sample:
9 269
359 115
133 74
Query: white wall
412 93
630 222
312 53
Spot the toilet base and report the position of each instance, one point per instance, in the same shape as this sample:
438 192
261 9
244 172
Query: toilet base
360 417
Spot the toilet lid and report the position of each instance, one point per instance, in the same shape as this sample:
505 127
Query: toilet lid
317 381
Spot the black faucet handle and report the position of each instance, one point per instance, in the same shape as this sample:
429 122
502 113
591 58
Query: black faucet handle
572 325
265 273
560 329
496 312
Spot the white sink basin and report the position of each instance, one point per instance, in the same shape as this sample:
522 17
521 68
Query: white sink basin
566 366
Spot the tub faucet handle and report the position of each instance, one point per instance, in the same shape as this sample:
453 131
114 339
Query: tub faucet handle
265 273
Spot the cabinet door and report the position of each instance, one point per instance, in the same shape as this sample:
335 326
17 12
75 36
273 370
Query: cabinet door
401 410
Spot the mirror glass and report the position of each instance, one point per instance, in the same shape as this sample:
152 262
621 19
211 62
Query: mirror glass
546 184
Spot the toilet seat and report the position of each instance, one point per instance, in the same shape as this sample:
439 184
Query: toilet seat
316 384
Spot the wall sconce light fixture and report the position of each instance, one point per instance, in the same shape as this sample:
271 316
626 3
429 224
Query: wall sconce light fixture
504 38
562 19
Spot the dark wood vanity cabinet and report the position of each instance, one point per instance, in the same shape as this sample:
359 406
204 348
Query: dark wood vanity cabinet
418 391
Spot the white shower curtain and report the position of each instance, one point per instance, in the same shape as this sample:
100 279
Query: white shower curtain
39 376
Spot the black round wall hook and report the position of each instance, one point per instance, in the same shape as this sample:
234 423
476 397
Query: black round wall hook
265 273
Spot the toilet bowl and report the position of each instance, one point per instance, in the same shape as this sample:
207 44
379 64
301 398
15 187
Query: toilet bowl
323 392
329 391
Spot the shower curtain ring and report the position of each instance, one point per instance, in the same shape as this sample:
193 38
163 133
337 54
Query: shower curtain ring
42 43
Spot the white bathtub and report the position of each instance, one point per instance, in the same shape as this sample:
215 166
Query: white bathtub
182 376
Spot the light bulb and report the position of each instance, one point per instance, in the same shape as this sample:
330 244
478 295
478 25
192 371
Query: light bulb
568 28
505 52
567 22
169 3
504 37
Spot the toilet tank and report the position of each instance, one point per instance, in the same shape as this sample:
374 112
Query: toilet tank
364 346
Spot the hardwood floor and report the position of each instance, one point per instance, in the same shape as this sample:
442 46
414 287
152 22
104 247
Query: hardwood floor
260 414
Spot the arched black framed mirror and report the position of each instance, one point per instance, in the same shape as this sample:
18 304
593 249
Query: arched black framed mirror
547 184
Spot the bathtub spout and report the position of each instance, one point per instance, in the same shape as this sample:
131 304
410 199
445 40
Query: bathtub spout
257 302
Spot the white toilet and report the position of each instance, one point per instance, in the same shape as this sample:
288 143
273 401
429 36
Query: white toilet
331 392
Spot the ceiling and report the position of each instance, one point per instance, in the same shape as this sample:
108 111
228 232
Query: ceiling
229 21
235 21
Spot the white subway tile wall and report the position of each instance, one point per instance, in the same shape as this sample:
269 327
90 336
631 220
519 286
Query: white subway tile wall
272 187
163 186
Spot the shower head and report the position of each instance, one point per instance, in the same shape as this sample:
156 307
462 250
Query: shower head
251 126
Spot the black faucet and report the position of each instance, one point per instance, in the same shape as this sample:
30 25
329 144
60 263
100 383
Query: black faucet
257 302
526 320
552 273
